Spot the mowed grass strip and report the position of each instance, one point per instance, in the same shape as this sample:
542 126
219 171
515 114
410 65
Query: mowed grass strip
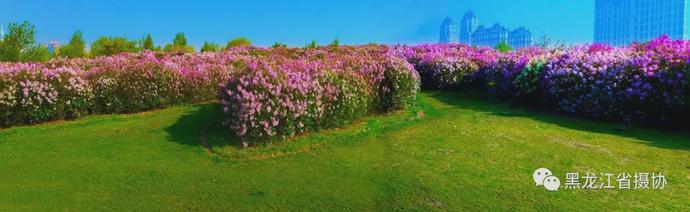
453 151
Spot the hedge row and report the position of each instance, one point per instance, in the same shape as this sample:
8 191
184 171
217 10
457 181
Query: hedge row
267 93
288 93
68 89
643 83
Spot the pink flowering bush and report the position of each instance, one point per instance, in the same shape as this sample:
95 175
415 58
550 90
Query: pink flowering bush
398 87
69 88
297 91
32 94
266 93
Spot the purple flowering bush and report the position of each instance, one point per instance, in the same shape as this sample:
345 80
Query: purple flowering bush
512 74
447 67
587 82
644 83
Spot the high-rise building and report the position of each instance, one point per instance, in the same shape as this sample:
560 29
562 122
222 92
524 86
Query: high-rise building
489 37
471 33
468 26
621 22
449 32
520 38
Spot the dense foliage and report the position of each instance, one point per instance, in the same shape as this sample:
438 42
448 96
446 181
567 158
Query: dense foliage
644 83
238 42
69 88
76 48
179 45
267 93
283 92
106 46
280 92
20 44
210 47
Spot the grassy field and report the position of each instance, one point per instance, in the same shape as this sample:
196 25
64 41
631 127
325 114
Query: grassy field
453 151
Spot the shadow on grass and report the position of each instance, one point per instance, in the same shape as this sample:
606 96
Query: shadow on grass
653 137
202 127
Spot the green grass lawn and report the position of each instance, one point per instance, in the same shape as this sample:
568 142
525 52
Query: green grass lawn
462 153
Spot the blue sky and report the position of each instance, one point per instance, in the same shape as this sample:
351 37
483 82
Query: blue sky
294 22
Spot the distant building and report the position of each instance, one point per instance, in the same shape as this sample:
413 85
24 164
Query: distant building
449 31
2 32
520 38
468 25
471 33
621 22
53 46
489 37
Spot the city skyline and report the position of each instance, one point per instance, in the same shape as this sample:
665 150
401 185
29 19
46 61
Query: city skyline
295 22
607 28
475 34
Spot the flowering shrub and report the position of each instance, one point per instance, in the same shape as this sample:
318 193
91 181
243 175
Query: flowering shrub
69 88
445 73
296 91
587 83
641 83
31 94
398 86
444 67
501 76
266 93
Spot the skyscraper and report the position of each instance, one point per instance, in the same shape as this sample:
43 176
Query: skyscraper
621 22
520 38
449 31
471 33
490 37
467 27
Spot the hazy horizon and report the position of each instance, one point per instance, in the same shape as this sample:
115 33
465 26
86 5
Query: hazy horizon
294 22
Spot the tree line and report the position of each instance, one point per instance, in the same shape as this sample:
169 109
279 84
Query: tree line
20 45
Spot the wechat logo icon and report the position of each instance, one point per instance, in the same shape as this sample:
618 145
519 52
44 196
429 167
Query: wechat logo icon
544 177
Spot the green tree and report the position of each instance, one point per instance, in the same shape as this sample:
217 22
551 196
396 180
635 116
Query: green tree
335 42
279 45
75 48
36 53
311 45
180 39
503 46
147 43
241 41
112 45
20 38
210 47
179 45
